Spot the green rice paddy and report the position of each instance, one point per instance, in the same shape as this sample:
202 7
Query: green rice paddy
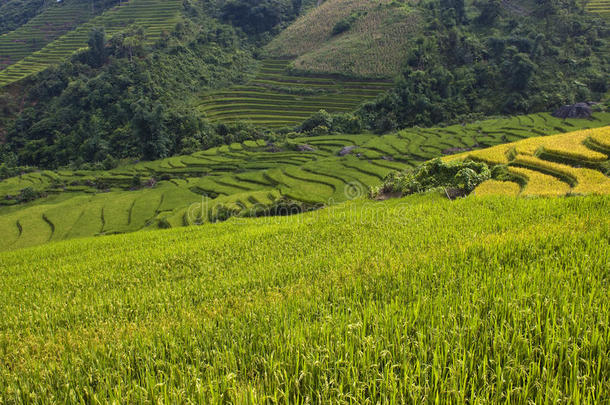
54 21
275 98
155 16
240 177
601 7
417 300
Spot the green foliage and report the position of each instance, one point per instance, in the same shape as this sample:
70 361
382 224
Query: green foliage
495 63
123 99
346 123
28 194
319 119
97 48
489 11
256 17
346 23
460 177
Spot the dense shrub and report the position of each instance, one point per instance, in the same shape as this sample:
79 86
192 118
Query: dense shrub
319 119
28 194
342 25
460 178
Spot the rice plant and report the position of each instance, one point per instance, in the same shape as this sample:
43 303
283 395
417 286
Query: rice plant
419 300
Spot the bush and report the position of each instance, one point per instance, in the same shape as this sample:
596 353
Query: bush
458 178
319 119
28 194
342 26
346 123
346 23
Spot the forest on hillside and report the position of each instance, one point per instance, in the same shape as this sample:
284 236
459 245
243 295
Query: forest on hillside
124 98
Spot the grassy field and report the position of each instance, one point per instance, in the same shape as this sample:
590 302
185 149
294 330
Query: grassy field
417 300
155 16
371 45
240 177
572 163
274 98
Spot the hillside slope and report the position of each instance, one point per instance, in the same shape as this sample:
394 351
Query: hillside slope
276 99
236 179
408 300
54 20
373 38
15 13
573 163
154 16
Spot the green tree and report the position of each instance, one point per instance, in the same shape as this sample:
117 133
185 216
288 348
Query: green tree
521 69
489 11
98 55
150 125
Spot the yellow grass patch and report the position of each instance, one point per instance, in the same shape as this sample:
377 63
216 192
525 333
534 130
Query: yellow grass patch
495 187
587 180
601 137
542 176
540 184
572 146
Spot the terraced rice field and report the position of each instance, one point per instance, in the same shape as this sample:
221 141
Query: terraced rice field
277 99
599 6
155 16
50 24
241 177
572 163
418 300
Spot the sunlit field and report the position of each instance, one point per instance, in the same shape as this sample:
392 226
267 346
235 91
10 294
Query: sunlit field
417 300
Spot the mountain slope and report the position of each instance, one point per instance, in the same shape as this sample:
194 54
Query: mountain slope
275 99
154 16
53 20
15 13
373 38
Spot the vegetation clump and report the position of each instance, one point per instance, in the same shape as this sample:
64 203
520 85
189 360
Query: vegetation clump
346 23
457 179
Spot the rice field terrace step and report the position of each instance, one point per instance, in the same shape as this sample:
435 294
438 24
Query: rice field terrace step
269 96
276 98
267 102
268 107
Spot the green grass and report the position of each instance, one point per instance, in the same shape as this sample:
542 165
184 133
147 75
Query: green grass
238 173
419 300
155 16
276 99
